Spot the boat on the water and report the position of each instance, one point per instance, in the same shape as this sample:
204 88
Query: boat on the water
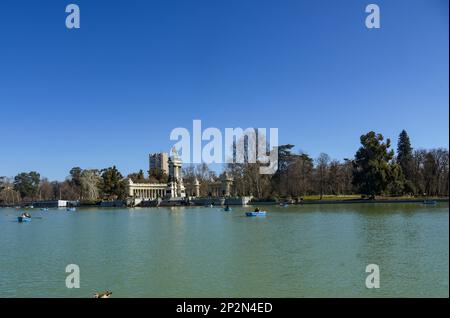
259 213
44 209
71 209
432 202
22 219
227 209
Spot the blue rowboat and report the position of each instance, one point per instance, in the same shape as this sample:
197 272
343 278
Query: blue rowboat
260 213
71 209
227 209
44 209
22 219
429 202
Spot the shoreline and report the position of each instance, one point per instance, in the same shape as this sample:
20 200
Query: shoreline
267 203
355 201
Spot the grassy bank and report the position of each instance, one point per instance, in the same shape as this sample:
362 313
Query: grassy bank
336 199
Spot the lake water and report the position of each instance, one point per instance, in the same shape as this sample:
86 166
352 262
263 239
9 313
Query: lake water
307 251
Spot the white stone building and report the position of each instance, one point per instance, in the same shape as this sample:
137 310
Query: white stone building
175 187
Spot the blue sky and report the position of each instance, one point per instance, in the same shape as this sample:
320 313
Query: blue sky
112 91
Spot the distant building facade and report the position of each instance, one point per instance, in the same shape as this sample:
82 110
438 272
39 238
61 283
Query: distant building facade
159 162
162 163
175 187
147 191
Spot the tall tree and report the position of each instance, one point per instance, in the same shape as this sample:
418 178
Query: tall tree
279 180
441 157
304 165
137 177
67 191
75 180
406 161
7 194
27 184
155 175
418 175
322 163
371 164
396 179
45 190
431 174
285 157
90 182
113 186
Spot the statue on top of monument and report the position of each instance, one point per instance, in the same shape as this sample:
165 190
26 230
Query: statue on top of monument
174 152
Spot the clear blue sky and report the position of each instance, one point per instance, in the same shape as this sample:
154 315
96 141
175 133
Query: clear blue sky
111 92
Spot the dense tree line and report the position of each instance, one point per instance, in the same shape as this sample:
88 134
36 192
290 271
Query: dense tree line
375 170
203 175
81 184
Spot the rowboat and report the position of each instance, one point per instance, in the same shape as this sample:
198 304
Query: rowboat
259 213
429 202
71 209
227 209
22 219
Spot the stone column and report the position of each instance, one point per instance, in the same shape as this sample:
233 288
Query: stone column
196 187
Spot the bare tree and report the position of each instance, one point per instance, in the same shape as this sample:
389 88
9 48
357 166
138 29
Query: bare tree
90 182
322 171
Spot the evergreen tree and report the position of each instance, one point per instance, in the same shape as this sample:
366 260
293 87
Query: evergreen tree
112 183
396 180
137 177
371 165
75 181
27 184
406 161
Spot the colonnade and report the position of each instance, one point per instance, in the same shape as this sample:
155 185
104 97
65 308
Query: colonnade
149 193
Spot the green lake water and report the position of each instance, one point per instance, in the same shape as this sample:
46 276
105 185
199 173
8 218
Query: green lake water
298 251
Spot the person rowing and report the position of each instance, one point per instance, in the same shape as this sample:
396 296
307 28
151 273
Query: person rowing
26 215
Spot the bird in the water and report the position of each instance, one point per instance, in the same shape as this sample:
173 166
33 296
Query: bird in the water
105 294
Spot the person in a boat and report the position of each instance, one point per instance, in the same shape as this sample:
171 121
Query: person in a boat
256 209
26 215
227 207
